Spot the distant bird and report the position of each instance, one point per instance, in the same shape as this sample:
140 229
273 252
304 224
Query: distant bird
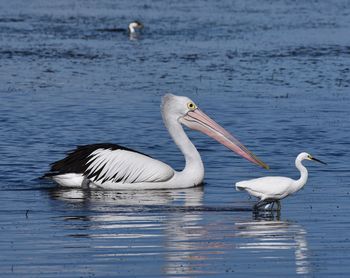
271 190
112 166
133 26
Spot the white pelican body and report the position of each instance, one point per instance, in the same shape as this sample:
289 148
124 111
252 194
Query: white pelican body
273 189
112 166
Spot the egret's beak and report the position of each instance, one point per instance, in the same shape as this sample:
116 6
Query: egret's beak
317 160
198 120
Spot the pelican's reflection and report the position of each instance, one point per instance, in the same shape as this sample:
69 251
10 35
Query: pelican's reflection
170 227
266 232
183 230
156 221
100 199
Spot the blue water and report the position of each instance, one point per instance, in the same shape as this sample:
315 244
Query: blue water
275 74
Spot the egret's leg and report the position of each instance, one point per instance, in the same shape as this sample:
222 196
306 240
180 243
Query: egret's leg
278 215
260 204
278 205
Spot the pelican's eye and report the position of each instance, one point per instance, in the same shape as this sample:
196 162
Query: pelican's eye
191 106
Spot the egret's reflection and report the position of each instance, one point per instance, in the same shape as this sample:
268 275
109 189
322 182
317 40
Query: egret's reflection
267 232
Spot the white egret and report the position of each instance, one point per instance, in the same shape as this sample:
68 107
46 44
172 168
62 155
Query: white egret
271 190
112 166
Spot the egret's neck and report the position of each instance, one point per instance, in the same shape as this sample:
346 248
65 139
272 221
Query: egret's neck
194 168
303 175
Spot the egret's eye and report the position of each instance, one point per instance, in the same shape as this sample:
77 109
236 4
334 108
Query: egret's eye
191 106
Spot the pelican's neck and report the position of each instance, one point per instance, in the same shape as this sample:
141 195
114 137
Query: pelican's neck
194 169
303 175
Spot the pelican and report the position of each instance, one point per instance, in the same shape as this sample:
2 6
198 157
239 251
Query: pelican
111 166
133 26
271 190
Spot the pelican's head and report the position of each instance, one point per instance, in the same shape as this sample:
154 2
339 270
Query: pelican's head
186 112
135 25
304 155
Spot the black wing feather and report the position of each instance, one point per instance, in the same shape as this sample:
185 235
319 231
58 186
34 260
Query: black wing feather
77 160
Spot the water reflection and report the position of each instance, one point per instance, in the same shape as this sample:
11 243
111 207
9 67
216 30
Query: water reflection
177 231
157 223
100 199
134 36
266 233
184 251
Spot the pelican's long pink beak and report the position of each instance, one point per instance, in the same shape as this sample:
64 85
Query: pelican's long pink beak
198 120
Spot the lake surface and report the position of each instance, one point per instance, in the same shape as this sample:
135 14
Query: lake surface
275 74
